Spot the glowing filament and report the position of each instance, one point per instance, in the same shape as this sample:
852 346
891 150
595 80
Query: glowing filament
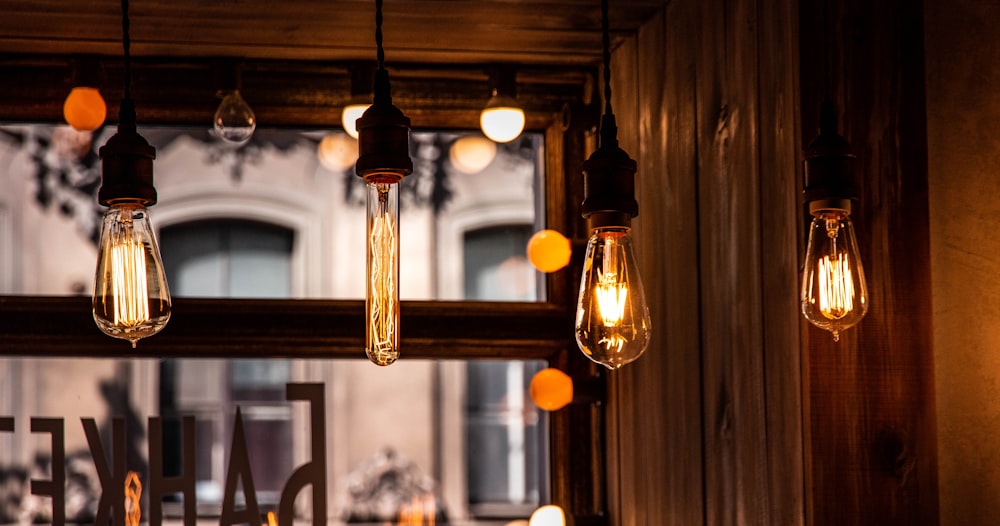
611 297
611 290
383 302
133 494
128 279
836 287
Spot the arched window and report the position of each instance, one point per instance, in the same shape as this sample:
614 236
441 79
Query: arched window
229 258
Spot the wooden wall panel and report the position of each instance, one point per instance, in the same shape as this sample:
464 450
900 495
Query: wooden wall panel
659 398
870 398
719 391
780 171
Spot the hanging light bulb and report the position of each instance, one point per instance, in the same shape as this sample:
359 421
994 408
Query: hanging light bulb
548 515
472 154
84 108
549 250
337 152
383 161
502 120
612 319
233 121
131 298
349 118
361 83
551 389
834 294
612 324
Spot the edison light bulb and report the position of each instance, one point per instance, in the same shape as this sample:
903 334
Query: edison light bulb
612 319
85 109
349 118
503 122
131 300
834 294
234 120
382 295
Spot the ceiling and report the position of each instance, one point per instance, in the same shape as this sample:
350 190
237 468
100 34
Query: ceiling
560 32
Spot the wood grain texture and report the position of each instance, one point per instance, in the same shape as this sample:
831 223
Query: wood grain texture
870 397
445 31
730 261
718 393
778 68
658 417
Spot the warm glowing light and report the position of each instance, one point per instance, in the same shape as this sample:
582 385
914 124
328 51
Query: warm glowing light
420 511
549 250
836 288
548 515
128 271
133 495
272 519
131 300
472 154
834 295
349 118
234 121
382 298
337 152
502 123
551 389
612 323
85 109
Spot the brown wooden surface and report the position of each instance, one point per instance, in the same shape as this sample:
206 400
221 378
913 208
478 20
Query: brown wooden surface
778 122
550 32
709 423
206 328
658 411
870 398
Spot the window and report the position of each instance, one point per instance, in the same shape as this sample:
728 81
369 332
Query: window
320 323
229 258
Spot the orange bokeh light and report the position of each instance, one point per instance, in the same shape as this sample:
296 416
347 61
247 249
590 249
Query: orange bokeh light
85 109
551 389
549 250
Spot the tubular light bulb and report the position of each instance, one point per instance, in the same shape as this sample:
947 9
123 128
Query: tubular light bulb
234 120
612 319
349 118
85 109
131 300
382 276
834 294
502 123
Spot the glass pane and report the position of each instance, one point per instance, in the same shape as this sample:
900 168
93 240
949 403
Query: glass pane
391 434
302 183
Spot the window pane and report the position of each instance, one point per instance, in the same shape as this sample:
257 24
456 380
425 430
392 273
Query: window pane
461 183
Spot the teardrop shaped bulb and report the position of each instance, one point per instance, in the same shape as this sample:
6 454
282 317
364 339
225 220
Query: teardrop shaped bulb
234 120
834 294
131 299
612 318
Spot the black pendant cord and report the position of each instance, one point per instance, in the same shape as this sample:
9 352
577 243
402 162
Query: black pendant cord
381 88
126 112
609 129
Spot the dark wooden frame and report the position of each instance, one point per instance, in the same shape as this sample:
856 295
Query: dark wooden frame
173 91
